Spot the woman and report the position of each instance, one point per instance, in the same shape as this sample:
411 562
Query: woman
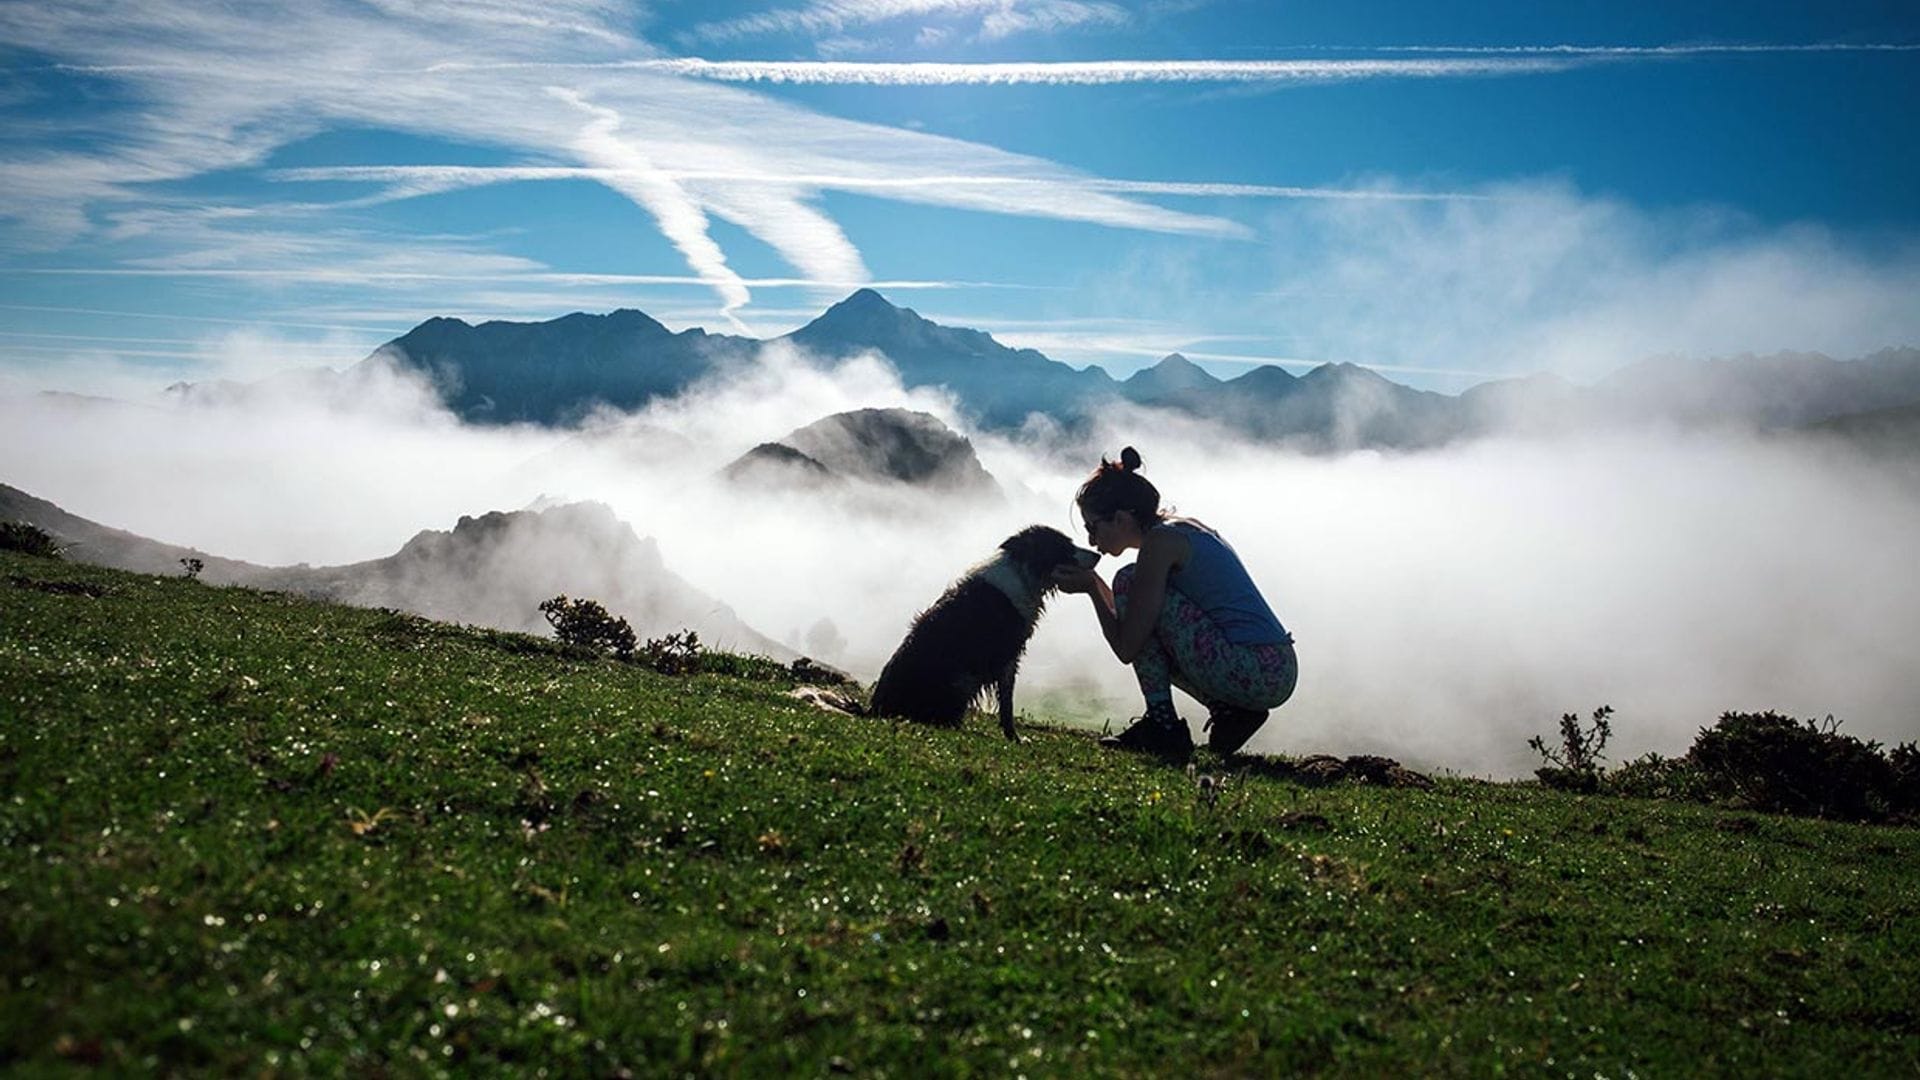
1184 614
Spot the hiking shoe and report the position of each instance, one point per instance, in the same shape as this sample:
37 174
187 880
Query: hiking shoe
1160 732
1228 728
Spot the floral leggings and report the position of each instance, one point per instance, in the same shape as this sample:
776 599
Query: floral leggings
1189 650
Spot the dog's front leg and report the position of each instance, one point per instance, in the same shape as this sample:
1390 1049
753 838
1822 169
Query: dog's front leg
1006 701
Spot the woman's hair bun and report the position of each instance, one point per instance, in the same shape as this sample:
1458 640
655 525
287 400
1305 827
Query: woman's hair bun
1118 485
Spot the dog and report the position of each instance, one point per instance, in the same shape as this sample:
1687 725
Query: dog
974 634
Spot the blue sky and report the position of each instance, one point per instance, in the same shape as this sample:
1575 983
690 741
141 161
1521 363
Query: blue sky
1449 193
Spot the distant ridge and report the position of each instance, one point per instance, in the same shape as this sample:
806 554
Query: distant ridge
491 570
874 446
557 372
1001 386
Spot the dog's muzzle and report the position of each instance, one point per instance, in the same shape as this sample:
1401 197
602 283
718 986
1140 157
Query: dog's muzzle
1085 559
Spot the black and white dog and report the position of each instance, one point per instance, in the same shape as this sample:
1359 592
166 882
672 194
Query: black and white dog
973 636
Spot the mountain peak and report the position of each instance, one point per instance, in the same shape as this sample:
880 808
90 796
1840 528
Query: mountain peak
1342 372
865 298
865 313
1175 366
620 320
1174 373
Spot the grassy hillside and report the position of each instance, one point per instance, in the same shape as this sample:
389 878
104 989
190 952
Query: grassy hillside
245 832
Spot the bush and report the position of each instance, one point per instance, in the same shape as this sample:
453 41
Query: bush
29 539
745 666
675 654
1653 776
1774 762
1764 761
587 624
1905 762
1576 765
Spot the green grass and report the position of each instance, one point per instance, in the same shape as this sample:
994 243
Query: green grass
240 831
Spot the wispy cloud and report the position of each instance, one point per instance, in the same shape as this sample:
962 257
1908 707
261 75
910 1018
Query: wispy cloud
743 196
1544 278
409 181
1363 62
1702 49
679 215
349 274
988 20
215 87
204 87
168 316
1077 72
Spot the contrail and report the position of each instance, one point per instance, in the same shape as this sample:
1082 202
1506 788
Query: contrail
1090 72
1448 61
1071 73
1623 51
431 179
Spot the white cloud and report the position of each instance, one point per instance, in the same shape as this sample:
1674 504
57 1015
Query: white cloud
219 87
1048 16
488 269
679 216
1542 278
173 317
988 19
1094 72
409 181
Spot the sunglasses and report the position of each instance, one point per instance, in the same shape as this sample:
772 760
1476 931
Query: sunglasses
1097 519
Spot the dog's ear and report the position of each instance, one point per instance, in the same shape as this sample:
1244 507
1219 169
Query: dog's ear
1025 544
1040 546
1056 545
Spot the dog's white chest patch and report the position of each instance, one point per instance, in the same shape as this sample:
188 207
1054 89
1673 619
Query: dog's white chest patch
1004 574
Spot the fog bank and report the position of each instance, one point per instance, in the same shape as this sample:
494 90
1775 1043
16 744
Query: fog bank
1447 604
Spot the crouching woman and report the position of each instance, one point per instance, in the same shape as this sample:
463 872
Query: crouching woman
1185 614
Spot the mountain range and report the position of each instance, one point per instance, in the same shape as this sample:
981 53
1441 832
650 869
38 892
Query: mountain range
492 570
557 372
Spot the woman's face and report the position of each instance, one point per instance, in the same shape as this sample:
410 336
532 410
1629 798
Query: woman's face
1113 532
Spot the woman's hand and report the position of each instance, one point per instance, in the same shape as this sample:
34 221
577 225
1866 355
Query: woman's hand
1075 579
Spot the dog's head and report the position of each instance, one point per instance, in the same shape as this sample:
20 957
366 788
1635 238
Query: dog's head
1038 549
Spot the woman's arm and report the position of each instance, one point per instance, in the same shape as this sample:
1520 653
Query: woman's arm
1076 580
1161 552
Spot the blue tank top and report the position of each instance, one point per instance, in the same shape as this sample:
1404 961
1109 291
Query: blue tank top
1216 580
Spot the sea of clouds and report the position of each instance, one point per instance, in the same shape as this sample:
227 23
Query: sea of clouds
1448 604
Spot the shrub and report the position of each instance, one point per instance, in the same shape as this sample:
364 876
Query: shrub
1576 765
745 666
1774 762
675 654
29 539
1654 776
190 568
1905 763
587 624
1764 761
